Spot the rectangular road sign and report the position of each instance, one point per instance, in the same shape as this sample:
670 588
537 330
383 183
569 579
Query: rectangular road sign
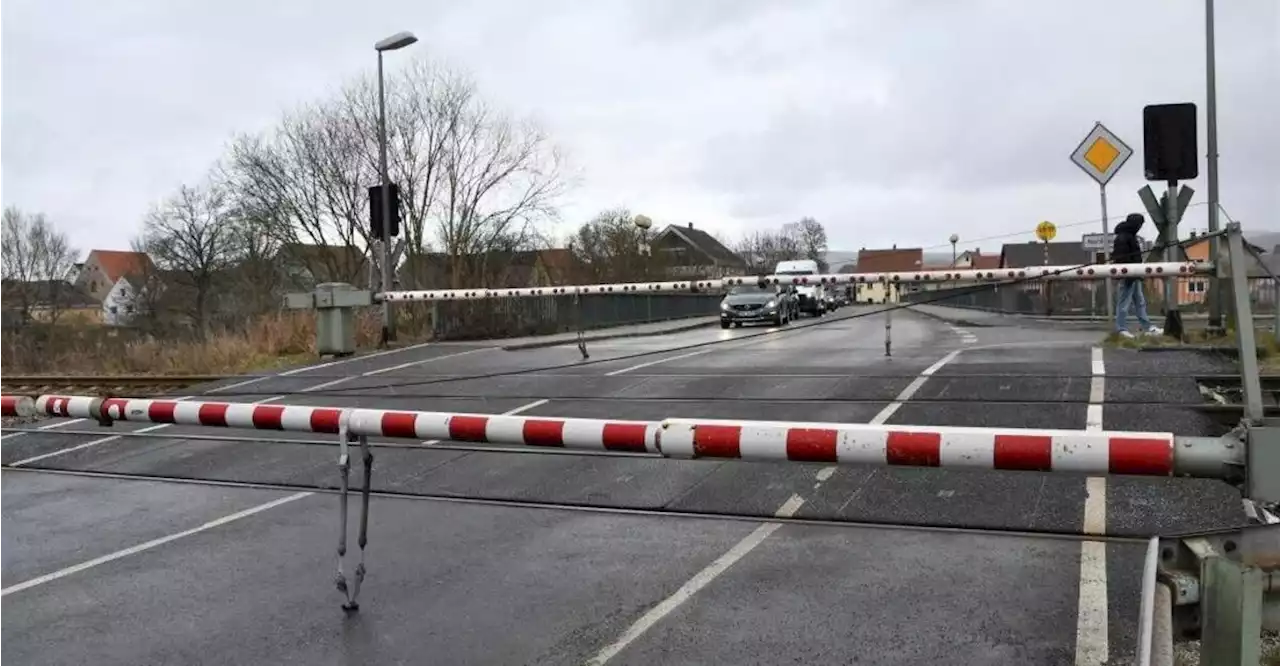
1101 154
1097 242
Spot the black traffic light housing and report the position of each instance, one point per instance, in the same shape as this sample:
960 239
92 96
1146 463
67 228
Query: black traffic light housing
1169 142
375 211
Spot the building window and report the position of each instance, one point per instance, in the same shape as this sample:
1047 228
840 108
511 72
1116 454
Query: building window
114 310
1196 287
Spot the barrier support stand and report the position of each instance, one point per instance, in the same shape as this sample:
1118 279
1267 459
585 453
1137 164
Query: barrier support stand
344 470
888 322
1222 582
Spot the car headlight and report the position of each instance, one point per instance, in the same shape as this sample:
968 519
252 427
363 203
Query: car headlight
724 306
771 304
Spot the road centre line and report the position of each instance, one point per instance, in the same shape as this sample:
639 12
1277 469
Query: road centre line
133 550
912 388
1092 641
317 387
749 542
647 364
697 582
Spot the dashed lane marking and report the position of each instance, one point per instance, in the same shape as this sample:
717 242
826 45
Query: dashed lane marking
647 364
965 336
247 382
1092 642
912 388
699 581
309 389
748 543
62 573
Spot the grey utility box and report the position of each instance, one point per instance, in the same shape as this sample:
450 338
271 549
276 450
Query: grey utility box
335 304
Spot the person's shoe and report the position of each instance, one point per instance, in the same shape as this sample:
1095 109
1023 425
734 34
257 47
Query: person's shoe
1125 334
1155 330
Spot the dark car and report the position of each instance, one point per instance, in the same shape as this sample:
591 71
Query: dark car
753 304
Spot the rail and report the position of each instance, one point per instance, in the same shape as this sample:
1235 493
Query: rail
105 384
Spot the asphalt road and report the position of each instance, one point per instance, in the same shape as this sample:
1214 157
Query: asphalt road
547 558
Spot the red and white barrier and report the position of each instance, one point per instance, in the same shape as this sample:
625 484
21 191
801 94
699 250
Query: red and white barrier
583 434
1094 272
16 405
1092 452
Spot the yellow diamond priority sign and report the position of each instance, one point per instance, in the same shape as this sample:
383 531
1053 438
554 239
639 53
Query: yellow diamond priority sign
1101 154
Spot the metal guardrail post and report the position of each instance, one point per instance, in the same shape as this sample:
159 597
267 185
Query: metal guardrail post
1245 339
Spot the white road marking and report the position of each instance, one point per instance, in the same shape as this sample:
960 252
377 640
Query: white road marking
1092 642
699 581
652 363
46 427
965 336
62 573
525 408
252 380
309 389
748 543
424 361
78 447
911 389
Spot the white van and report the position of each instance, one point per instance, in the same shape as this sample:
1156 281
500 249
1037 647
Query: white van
813 297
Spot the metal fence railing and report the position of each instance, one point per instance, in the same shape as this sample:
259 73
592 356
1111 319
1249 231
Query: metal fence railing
1081 299
516 317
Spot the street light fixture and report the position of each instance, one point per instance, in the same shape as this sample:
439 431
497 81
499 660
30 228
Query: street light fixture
643 223
392 43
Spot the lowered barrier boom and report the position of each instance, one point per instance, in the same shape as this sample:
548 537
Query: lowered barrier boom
1065 273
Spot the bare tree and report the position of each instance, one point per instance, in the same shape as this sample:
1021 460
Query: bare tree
471 179
37 263
763 250
191 236
811 237
609 246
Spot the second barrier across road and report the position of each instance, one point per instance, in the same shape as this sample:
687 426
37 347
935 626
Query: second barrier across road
1080 451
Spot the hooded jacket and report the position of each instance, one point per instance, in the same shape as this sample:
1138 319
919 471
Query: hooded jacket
1127 249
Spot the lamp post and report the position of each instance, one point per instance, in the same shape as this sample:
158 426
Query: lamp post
392 43
955 238
643 223
1211 134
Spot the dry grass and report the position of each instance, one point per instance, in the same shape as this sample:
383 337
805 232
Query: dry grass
1268 347
269 342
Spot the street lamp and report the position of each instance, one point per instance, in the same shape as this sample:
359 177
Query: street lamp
643 223
955 238
392 43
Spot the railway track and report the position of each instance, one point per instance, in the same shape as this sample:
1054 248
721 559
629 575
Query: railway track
134 386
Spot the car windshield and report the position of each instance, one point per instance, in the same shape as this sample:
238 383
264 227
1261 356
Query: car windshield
750 289
798 273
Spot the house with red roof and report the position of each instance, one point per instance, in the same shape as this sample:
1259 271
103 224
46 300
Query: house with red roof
114 279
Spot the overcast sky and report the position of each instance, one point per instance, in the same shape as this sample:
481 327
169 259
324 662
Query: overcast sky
897 121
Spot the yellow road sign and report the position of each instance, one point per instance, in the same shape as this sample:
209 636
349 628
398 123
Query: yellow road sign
1101 154
1046 232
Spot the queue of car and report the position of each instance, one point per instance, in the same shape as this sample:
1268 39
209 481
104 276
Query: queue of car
780 304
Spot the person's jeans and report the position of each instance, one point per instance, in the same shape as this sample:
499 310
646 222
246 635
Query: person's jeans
1130 293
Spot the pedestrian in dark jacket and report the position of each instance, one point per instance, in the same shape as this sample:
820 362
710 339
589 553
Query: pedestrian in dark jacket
1127 250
